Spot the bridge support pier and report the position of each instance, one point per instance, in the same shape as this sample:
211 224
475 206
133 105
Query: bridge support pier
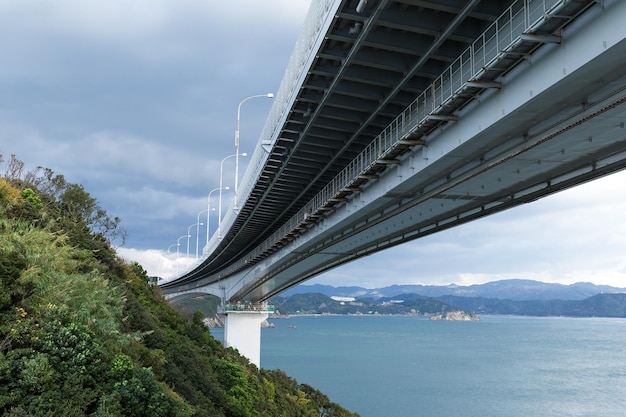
242 329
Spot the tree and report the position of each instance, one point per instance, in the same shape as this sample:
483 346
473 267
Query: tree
67 203
15 168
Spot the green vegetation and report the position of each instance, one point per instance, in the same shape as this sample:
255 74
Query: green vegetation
599 305
204 303
83 333
315 303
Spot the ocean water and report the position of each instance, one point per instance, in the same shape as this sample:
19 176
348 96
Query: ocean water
399 366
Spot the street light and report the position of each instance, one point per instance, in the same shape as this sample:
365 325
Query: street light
178 250
208 214
198 230
178 245
219 209
189 235
268 95
168 251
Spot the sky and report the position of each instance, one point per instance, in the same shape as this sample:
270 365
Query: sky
137 101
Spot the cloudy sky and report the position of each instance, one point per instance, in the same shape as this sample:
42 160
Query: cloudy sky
137 101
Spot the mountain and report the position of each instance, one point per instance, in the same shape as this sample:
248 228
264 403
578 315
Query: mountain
599 305
316 303
513 289
85 333
329 290
515 297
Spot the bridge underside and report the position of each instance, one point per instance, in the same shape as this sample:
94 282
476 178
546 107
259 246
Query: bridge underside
588 145
545 115
365 67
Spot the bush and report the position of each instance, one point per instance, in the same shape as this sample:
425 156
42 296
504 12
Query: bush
83 333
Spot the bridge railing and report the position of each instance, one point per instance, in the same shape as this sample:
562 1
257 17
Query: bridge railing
313 24
249 307
523 16
303 51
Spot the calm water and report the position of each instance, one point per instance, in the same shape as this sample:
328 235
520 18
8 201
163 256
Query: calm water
496 367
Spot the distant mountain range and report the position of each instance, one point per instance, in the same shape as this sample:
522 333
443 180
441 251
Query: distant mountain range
513 289
316 303
512 297
599 305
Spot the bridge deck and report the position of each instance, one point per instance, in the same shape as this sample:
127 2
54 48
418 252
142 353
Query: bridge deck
377 85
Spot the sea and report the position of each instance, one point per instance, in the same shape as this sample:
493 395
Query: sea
499 366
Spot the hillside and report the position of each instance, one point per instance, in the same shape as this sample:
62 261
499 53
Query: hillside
315 303
512 289
83 333
599 305
595 304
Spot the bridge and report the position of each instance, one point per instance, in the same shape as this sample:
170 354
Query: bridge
400 118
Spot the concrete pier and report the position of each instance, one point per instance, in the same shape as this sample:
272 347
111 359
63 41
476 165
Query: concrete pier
242 329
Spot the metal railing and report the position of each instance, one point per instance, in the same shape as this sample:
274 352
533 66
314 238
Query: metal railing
249 307
305 47
318 13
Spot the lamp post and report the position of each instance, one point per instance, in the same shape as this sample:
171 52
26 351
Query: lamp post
178 250
198 230
208 214
219 209
189 234
178 245
268 95
170 247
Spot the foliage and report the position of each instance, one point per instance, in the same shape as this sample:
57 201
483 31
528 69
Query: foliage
316 303
29 195
83 333
206 304
50 200
600 305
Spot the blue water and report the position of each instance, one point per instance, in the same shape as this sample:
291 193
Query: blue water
496 367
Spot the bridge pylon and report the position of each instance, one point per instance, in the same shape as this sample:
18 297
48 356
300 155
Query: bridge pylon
242 328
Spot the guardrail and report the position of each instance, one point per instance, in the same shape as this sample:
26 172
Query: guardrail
318 13
522 16
305 45
249 307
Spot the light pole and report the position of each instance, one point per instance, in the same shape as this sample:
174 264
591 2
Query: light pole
178 250
198 230
219 208
178 246
208 214
170 247
168 251
189 235
268 95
